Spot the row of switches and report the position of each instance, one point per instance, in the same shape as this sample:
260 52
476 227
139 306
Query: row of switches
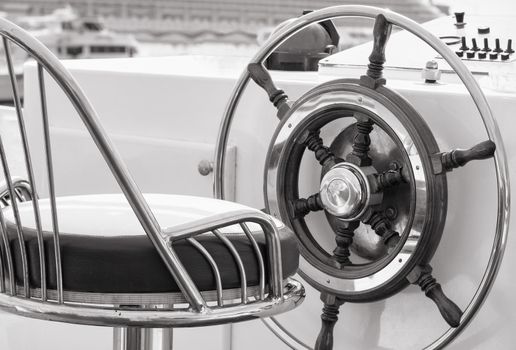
485 52
483 55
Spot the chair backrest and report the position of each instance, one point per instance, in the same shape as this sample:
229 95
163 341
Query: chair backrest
48 65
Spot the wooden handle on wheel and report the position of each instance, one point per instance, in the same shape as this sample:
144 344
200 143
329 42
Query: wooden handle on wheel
261 76
329 318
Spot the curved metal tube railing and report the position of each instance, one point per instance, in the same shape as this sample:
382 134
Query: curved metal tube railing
490 124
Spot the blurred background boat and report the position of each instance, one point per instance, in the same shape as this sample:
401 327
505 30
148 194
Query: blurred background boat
183 25
76 29
70 36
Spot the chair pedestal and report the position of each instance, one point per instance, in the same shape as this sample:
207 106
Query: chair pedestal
135 338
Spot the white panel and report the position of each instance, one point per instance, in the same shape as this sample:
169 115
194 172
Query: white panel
254 335
158 165
20 333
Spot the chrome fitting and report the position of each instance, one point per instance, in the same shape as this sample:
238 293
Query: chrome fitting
431 73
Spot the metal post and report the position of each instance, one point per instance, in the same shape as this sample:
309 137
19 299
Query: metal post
134 338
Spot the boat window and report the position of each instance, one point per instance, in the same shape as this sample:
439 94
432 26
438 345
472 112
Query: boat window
74 50
67 25
107 49
92 26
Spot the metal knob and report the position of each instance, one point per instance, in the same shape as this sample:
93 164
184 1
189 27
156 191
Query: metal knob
431 73
205 167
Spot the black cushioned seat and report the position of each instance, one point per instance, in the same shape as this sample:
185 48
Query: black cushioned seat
104 248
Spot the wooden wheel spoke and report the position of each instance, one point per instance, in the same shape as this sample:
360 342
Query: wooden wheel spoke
382 226
387 179
381 33
323 154
344 233
361 142
329 318
302 206
261 76
447 161
422 276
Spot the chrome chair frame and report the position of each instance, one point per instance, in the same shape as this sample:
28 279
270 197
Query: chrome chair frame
272 296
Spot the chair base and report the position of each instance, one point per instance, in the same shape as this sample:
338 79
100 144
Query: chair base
136 338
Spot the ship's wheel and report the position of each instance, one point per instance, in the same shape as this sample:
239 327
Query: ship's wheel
383 185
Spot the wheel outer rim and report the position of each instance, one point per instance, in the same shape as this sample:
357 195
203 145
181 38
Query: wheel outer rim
298 117
490 124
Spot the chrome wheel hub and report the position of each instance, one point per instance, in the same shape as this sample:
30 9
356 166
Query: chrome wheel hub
345 191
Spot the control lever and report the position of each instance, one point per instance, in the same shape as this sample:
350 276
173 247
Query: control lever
464 46
261 76
475 45
486 45
422 276
459 19
329 317
447 161
497 48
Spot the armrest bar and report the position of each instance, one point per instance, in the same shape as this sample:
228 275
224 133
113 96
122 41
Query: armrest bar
259 257
214 268
215 222
21 186
239 262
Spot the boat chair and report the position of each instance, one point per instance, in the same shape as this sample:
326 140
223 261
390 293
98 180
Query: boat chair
131 261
